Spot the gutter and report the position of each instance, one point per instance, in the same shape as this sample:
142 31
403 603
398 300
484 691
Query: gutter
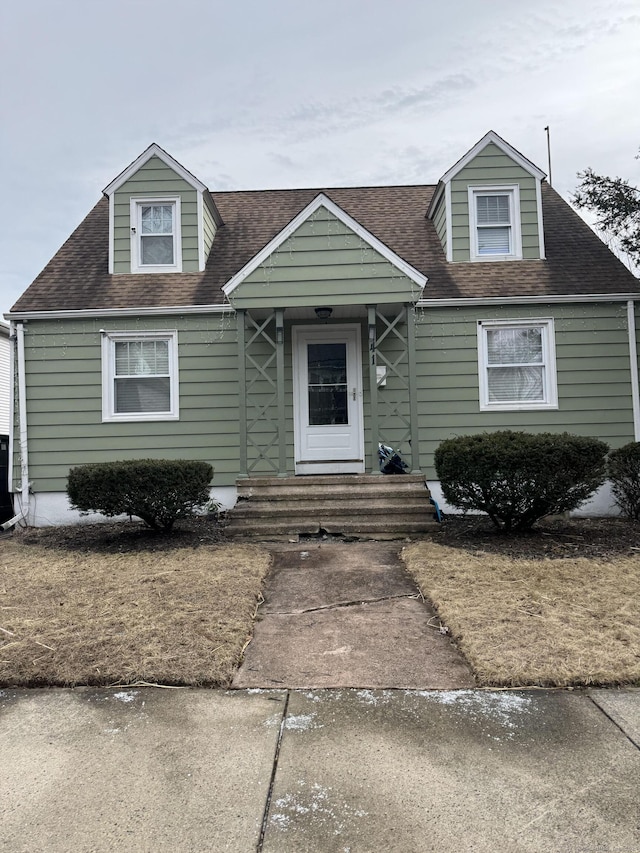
465 302
23 438
160 311
633 359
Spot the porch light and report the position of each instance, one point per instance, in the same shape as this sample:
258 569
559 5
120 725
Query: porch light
324 313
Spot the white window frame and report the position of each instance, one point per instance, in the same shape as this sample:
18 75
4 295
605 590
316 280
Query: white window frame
109 340
550 383
135 213
512 191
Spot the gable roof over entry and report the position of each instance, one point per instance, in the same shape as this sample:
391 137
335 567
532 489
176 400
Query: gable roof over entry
324 253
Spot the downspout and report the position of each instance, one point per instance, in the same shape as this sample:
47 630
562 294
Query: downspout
22 417
633 358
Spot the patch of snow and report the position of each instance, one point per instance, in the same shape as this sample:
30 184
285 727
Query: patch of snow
304 555
502 707
313 696
125 695
282 821
301 722
313 803
371 698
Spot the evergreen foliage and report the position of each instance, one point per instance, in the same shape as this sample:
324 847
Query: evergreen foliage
158 491
519 477
623 469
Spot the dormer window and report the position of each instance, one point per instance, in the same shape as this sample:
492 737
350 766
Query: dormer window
155 235
494 226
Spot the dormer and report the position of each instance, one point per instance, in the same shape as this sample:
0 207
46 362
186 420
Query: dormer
162 219
488 206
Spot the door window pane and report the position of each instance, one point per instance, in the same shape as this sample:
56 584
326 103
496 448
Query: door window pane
327 383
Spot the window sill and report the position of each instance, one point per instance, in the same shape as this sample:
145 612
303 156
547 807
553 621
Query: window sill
518 407
156 269
140 418
487 259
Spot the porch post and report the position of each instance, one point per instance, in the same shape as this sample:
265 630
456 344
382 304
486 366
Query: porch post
242 391
373 389
282 438
413 389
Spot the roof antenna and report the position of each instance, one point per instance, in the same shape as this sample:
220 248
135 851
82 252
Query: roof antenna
549 154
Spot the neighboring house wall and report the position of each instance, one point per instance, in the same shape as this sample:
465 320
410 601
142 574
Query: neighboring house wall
4 380
492 167
154 179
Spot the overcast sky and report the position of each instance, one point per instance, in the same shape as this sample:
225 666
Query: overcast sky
253 94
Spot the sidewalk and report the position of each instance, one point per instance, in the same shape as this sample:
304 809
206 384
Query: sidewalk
363 771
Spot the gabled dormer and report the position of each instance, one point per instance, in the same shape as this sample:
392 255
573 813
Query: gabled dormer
488 206
162 219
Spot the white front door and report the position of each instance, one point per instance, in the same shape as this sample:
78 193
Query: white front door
327 393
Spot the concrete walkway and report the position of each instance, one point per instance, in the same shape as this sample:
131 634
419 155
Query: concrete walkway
324 770
347 615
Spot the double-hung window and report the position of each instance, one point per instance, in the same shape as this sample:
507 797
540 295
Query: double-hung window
155 235
516 364
494 223
140 376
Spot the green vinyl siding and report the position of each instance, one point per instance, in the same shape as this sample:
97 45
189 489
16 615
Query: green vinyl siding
492 167
154 179
440 220
208 224
593 373
324 261
64 400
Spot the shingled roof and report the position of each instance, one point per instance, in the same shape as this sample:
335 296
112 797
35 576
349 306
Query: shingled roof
578 263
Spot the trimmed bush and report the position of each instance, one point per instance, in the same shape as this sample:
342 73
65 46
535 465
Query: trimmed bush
519 477
158 491
623 469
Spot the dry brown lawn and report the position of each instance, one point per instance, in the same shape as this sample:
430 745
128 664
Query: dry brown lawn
176 616
548 622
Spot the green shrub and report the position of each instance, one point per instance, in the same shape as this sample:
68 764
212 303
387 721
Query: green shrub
623 469
158 491
519 477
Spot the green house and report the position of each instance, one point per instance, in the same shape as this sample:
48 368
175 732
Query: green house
286 333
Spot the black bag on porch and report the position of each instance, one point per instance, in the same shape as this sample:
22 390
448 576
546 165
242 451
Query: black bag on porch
390 460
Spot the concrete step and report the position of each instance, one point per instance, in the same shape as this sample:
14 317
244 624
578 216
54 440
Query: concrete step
362 529
322 479
333 490
361 505
303 508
